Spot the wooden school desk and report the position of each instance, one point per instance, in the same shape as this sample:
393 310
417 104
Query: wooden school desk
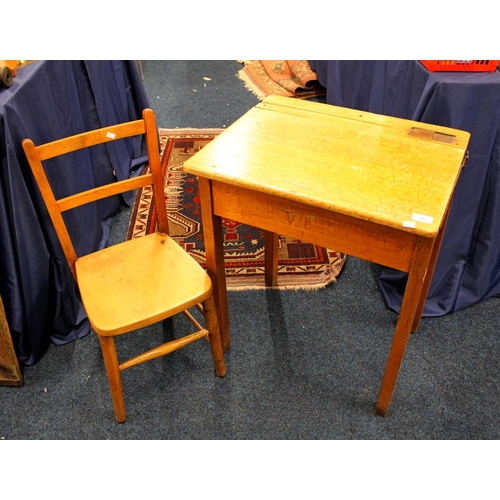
375 187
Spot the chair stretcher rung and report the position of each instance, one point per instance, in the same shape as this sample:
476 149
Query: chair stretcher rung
163 349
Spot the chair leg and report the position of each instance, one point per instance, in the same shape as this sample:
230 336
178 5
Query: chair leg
114 378
212 321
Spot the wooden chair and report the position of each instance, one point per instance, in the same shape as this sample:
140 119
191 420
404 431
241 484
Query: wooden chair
136 283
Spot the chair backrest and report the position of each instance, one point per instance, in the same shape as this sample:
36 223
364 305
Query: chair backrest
37 154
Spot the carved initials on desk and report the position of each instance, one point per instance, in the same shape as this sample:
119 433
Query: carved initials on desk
290 216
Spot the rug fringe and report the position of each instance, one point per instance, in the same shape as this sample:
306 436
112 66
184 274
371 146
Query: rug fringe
293 288
249 85
323 280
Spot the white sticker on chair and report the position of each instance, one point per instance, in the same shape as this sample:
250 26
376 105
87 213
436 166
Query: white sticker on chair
110 135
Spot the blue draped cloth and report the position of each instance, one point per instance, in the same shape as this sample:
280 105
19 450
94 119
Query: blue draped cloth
47 101
468 267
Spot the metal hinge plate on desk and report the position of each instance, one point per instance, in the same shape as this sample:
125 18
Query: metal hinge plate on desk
431 135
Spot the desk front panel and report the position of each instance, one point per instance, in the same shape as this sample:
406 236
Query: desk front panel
366 240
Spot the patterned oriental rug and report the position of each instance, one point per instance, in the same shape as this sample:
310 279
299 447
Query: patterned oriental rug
285 78
301 265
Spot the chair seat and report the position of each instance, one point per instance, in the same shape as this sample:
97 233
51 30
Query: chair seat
125 286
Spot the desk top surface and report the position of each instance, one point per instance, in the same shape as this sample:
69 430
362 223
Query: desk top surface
364 165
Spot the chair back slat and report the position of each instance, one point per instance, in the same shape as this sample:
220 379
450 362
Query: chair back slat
101 192
88 139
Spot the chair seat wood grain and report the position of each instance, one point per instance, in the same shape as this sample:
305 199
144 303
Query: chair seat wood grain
139 282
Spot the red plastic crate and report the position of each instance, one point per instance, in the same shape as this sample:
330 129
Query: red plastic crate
485 66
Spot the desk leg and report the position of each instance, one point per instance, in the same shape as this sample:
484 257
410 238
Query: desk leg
271 258
428 278
412 298
214 247
427 283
